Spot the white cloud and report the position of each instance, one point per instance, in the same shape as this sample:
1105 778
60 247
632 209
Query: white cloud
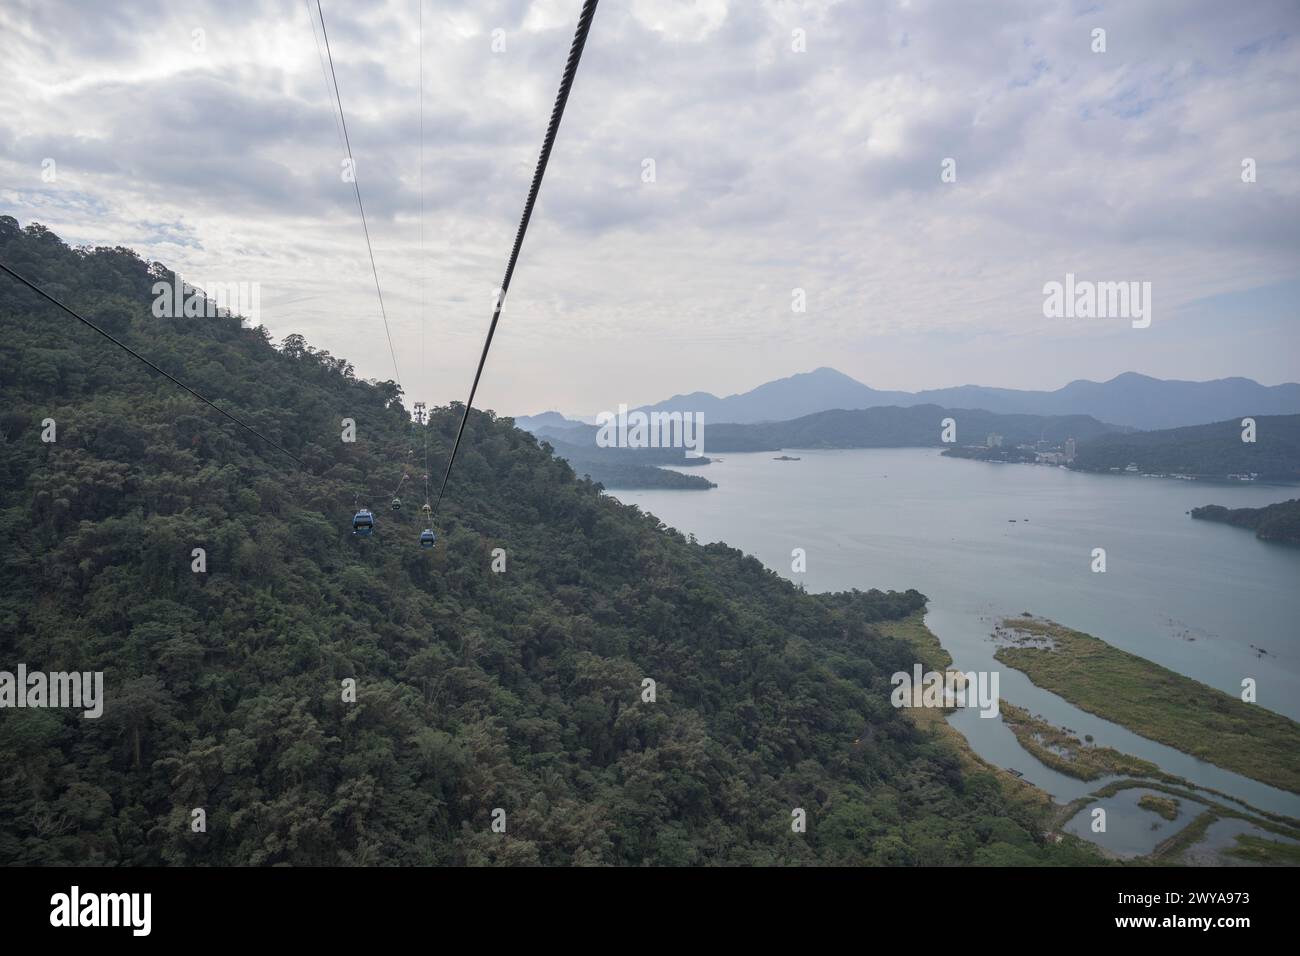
775 169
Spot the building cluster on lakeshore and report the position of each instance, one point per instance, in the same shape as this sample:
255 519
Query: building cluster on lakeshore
1044 452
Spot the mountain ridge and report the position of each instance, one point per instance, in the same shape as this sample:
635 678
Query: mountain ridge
886 426
1130 398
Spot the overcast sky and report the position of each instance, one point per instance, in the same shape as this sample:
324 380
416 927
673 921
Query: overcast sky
775 169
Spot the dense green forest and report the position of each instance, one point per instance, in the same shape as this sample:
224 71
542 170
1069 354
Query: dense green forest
1208 451
1279 522
476 690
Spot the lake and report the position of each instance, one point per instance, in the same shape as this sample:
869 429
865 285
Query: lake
1206 600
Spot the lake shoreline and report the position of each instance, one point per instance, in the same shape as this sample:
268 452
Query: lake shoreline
1134 773
1153 701
1201 600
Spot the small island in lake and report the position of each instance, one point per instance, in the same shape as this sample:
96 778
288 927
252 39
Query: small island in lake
785 458
1167 807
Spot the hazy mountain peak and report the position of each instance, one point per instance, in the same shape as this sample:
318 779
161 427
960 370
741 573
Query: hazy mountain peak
825 371
1133 377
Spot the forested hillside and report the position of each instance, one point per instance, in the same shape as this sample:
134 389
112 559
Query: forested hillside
476 690
631 467
1207 451
1277 522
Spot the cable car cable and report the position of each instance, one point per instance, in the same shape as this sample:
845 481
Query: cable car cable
357 189
557 113
324 73
420 409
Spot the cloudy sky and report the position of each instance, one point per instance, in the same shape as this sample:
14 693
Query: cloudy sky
775 168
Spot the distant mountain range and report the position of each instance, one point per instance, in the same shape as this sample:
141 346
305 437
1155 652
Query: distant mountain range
895 427
1137 401
1214 450
1191 427
888 427
549 420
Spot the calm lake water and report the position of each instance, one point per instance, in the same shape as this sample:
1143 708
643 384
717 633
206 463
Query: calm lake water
1206 600
1132 830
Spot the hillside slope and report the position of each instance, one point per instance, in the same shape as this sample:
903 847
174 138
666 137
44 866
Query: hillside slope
476 690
